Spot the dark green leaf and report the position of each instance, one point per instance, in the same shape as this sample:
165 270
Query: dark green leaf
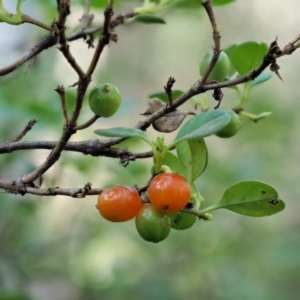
122 132
193 156
248 56
148 19
202 125
164 97
251 198
261 78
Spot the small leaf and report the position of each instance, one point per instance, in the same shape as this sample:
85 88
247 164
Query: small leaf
228 50
255 118
248 56
148 19
251 198
193 156
172 161
202 101
123 132
153 106
164 97
170 122
202 125
261 78
167 123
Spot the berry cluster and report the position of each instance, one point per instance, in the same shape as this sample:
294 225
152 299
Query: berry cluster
168 193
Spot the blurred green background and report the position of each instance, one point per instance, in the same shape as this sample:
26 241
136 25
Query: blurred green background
59 248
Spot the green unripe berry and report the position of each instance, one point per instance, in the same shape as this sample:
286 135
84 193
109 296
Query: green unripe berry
181 220
104 100
232 127
221 68
152 224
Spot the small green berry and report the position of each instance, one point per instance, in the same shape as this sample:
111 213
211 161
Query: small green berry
232 127
221 68
104 100
181 220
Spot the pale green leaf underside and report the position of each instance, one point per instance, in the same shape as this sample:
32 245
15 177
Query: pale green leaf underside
202 125
122 132
261 78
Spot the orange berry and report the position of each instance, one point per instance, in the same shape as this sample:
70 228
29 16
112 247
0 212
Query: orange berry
169 192
119 203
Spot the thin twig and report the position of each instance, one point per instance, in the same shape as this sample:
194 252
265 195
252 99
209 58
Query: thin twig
104 39
92 147
168 89
59 30
28 127
216 37
83 83
13 187
61 91
87 124
30 20
51 40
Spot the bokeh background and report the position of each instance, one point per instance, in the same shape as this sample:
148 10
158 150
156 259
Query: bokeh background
60 248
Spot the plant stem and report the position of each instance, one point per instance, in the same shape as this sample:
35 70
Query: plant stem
245 95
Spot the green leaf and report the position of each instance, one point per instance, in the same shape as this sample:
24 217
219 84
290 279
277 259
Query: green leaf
261 78
172 161
123 132
251 198
164 97
148 19
193 156
221 2
102 3
228 50
202 125
248 56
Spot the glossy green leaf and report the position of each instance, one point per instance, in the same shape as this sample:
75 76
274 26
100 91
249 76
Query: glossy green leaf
148 19
251 198
172 161
261 78
202 125
164 97
193 156
248 56
123 132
